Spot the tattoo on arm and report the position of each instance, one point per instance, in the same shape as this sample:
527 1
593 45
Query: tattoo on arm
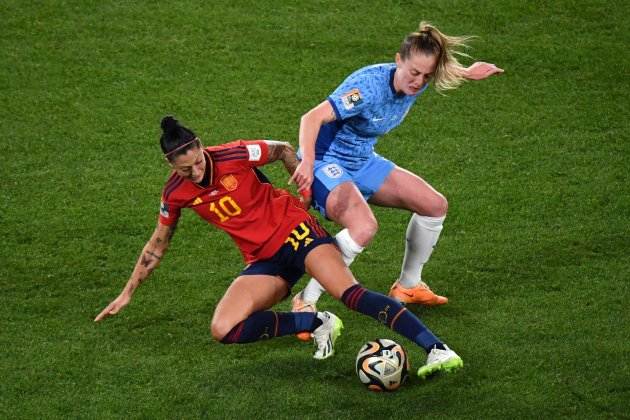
289 159
145 261
153 254
148 258
276 149
279 150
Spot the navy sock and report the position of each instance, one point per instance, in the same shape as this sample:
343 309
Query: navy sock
269 324
390 312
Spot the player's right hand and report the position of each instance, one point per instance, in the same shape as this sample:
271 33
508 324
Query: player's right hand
303 176
113 308
481 70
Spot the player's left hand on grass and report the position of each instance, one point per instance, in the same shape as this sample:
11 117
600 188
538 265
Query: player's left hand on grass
114 307
481 70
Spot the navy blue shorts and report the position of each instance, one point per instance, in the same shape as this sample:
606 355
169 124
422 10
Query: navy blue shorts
288 261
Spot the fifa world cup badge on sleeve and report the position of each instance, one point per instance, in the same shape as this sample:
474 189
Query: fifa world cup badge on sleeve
352 98
163 209
254 152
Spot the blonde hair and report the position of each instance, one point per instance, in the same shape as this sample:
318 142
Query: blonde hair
449 73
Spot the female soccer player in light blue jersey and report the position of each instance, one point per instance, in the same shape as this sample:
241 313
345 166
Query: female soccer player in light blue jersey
339 165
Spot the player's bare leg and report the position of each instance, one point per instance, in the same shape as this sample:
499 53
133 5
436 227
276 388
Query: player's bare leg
246 295
242 316
405 190
341 284
334 276
346 206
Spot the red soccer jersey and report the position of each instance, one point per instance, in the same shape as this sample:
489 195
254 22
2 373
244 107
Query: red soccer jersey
256 215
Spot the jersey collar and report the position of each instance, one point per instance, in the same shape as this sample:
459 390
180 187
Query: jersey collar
392 72
209 175
391 80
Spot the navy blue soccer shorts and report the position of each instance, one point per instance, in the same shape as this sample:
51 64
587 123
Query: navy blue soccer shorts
288 261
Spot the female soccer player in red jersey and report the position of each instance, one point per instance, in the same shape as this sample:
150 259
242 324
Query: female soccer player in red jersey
279 241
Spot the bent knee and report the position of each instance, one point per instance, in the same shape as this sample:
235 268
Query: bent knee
441 207
362 228
219 328
436 207
364 231
361 225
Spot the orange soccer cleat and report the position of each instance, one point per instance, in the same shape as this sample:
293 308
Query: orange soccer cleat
421 294
298 305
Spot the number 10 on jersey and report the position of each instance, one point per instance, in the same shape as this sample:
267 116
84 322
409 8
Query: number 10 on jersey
225 209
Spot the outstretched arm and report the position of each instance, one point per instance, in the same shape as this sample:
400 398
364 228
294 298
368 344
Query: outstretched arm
149 259
481 70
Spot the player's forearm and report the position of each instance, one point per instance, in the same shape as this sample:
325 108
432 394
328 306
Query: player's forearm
309 129
281 150
289 159
310 124
148 261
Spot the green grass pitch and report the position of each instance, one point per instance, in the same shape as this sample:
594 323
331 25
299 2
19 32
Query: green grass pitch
534 255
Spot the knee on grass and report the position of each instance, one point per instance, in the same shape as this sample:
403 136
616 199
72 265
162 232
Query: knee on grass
220 328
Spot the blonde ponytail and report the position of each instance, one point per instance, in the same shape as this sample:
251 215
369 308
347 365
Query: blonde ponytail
449 73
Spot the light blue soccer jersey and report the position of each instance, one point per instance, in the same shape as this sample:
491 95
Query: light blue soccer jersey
366 106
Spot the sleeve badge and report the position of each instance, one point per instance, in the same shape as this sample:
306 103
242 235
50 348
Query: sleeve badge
255 152
164 209
352 98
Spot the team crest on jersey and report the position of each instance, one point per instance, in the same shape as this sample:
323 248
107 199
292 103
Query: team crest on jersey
163 209
229 182
352 98
333 170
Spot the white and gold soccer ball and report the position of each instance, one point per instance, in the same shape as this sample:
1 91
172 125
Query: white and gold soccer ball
382 365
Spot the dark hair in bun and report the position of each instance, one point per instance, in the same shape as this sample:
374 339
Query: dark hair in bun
176 139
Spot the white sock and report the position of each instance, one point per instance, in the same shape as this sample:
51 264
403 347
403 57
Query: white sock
349 251
422 236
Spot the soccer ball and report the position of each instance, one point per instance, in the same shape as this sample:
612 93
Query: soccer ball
382 365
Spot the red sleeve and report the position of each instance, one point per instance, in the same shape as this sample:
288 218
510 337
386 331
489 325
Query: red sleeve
250 152
257 152
169 212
